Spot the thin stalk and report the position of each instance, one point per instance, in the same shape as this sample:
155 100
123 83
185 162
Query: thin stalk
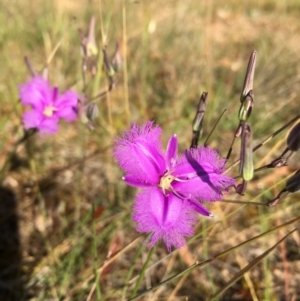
53 260
95 255
56 47
198 264
245 202
125 71
206 142
248 267
142 273
130 272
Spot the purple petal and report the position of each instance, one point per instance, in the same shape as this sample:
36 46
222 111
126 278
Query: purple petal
32 119
133 181
148 131
198 207
67 105
201 172
165 217
139 154
171 152
136 164
153 155
48 126
55 94
36 92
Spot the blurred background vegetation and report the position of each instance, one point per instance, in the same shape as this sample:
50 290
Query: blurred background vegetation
65 215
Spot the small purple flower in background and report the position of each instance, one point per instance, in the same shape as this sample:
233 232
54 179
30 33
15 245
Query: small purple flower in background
172 187
47 105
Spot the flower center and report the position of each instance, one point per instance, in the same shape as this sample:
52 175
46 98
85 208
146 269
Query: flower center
48 111
165 183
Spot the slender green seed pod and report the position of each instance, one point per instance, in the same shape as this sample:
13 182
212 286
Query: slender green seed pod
246 165
246 107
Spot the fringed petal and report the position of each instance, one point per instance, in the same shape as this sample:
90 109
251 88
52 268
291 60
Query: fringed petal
139 153
37 93
48 126
135 182
166 217
32 119
201 175
198 207
67 106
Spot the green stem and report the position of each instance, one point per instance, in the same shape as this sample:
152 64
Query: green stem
143 271
95 255
130 272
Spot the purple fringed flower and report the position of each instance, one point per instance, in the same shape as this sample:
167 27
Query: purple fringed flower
48 106
172 187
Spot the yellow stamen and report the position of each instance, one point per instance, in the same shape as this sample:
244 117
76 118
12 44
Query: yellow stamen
165 183
48 111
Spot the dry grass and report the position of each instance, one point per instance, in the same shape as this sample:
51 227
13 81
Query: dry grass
64 212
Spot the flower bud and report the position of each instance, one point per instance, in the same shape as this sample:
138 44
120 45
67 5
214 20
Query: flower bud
293 183
247 96
293 139
108 66
89 49
89 43
198 120
92 111
248 82
117 60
